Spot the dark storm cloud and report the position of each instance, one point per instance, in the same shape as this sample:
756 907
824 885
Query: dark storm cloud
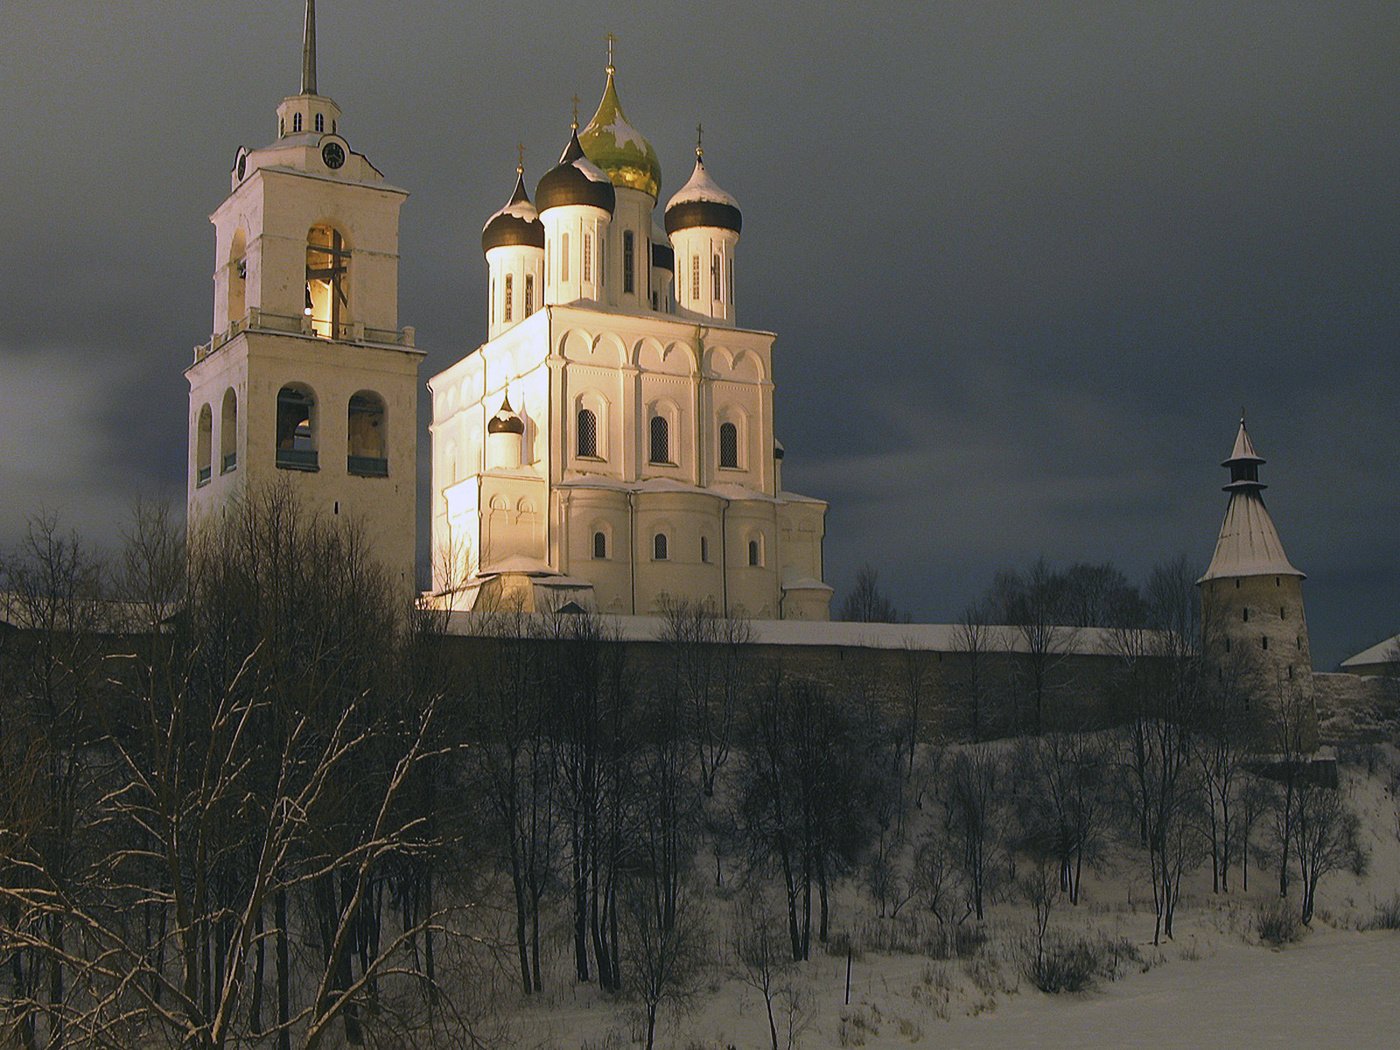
1024 261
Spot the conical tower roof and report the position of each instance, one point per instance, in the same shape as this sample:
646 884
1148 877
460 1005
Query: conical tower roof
701 202
617 147
1249 543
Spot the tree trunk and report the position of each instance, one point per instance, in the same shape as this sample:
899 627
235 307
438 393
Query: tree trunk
284 973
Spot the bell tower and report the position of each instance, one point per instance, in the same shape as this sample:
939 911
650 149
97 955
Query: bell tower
307 375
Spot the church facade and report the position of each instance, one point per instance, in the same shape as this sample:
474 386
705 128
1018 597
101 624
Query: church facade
612 442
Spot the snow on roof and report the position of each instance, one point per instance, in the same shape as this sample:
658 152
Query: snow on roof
1386 652
922 637
701 188
1249 544
592 171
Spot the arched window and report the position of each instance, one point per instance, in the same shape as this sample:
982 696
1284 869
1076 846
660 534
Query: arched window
695 278
729 445
228 433
564 258
365 446
600 545
510 290
714 278
660 440
203 441
628 264
327 281
320 122
659 547
296 122
587 433
296 429
755 552
529 294
588 256
238 276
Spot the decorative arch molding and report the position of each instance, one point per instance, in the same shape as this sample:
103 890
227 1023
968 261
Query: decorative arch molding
609 350
748 366
579 344
719 362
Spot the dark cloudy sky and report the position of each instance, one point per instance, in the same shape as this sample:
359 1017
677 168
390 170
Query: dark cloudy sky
1025 261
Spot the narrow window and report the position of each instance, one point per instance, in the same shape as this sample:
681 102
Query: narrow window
320 122
714 278
564 258
1227 645
695 279
754 553
1237 585
658 547
1282 613
731 296
1290 672
587 433
600 545
228 433
1299 641
728 445
529 294
654 301
365 447
296 122
510 289
493 301
704 548
296 429
1264 642
1244 614
1276 583
628 251
588 256
660 440
203 451
602 262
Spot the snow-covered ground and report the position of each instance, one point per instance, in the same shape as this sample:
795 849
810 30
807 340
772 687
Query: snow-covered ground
1214 985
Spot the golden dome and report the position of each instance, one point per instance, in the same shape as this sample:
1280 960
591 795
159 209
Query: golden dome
618 148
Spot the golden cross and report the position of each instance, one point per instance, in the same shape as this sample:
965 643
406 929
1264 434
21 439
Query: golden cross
575 112
520 158
699 140
611 39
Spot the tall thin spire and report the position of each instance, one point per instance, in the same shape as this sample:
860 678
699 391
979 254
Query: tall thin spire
308 51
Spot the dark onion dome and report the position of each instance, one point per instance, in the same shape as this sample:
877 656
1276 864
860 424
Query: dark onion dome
613 144
517 224
505 421
663 257
702 203
575 180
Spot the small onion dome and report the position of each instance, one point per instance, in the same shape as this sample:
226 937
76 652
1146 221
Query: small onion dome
702 203
517 224
663 257
620 149
505 421
575 180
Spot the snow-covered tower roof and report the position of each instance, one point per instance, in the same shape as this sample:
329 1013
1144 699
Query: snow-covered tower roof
701 202
518 223
1249 544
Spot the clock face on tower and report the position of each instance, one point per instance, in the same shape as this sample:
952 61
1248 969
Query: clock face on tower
333 155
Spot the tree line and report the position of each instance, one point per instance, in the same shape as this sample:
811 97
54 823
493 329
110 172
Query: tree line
251 796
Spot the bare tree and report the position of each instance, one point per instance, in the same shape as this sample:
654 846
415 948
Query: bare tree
1061 790
1287 734
765 966
1328 839
970 791
1033 603
867 603
972 637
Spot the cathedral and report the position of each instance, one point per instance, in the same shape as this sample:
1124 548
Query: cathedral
611 442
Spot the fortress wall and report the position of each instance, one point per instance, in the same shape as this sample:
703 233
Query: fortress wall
1354 709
